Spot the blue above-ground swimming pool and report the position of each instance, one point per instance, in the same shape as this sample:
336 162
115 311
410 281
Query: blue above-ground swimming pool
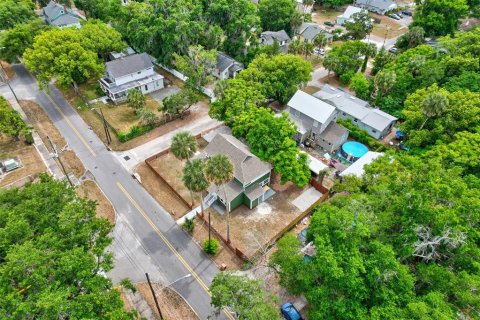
353 150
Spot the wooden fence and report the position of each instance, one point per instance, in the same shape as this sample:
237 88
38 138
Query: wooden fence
235 250
318 186
289 227
159 176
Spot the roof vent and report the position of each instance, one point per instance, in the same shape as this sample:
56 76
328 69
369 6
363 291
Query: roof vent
352 97
339 95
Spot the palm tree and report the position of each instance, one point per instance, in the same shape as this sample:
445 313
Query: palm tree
434 104
195 181
384 81
219 171
318 40
184 147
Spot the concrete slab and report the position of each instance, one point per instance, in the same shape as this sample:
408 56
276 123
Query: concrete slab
306 199
163 93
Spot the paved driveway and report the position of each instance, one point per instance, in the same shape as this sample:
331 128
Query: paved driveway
163 93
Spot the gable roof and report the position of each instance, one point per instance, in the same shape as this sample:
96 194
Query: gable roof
357 168
59 15
310 30
351 10
270 36
247 166
128 65
355 107
311 106
380 4
224 61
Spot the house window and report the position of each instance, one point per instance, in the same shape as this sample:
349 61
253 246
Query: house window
374 131
265 182
146 87
139 72
356 120
315 123
297 113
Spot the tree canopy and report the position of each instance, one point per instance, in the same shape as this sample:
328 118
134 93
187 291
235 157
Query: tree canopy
244 297
52 256
276 15
71 55
439 17
13 12
11 123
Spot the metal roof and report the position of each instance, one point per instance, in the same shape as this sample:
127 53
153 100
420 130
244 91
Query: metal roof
380 4
311 106
355 107
351 10
357 168
128 65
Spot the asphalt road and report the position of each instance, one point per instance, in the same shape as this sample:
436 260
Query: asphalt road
171 251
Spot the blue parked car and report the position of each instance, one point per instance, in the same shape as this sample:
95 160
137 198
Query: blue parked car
289 312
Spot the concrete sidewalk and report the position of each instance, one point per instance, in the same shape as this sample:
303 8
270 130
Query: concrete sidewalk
140 153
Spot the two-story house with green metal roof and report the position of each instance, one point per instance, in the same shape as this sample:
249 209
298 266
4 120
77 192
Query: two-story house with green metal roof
251 182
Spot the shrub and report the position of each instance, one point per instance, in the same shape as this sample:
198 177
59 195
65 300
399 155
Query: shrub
99 91
127 284
359 134
189 224
211 246
347 76
135 131
29 138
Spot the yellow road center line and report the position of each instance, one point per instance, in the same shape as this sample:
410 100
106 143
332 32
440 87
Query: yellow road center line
71 125
164 239
168 243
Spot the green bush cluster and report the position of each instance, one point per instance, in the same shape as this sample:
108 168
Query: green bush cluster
361 135
135 131
211 246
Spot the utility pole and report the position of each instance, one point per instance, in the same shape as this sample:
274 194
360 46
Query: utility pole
105 127
57 155
154 296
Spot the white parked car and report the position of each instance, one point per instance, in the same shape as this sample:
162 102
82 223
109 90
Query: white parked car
319 52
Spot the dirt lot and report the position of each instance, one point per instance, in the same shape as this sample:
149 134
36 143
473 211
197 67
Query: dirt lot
172 305
44 126
160 192
171 169
28 155
250 230
388 26
224 255
90 189
320 14
8 70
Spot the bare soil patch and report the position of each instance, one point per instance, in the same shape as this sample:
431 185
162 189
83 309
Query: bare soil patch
172 305
90 190
171 169
160 192
44 126
224 255
8 70
32 163
387 27
252 229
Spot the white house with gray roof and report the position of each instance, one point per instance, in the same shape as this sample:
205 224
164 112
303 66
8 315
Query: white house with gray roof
376 122
377 6
251 179
59 15
270 37
130 72
226 67
315 119
347 15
